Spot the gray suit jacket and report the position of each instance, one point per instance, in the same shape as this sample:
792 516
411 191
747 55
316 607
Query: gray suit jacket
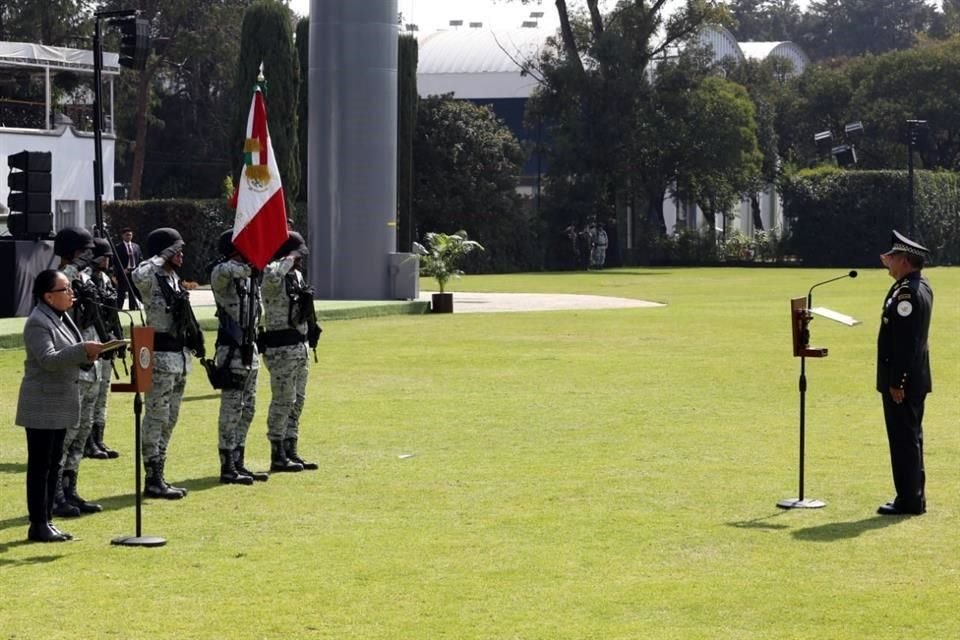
49 393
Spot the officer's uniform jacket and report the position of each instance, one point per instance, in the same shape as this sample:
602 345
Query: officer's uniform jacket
903 358
50 393
146 278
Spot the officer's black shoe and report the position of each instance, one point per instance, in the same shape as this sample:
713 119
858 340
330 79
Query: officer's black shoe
42 532
891 509
98 440
228 472
91 450
72 497
290 449
58 532
238 462
279 462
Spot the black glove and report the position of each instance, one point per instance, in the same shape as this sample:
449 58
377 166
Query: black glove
172 250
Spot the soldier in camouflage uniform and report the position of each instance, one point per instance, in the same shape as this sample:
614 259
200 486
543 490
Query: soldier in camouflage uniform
74 245
167 306
100 274
284 347
237 293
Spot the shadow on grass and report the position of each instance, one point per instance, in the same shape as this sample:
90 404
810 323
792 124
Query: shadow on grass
844 530
761 523
13 467
209 396
125 501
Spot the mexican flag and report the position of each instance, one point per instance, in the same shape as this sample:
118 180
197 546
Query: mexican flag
260 225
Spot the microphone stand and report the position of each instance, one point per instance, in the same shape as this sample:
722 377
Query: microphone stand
800 502
138 539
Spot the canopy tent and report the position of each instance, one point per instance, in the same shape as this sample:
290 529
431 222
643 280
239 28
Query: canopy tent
26 54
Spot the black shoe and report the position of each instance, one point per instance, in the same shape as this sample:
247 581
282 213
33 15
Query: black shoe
240 465
279 462
92 450
42 532
890 509
161 491
63 509
97 436
290 449
58 532
228 472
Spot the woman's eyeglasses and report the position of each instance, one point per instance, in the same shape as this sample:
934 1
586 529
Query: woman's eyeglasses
61 290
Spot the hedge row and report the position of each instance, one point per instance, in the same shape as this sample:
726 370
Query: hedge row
843 218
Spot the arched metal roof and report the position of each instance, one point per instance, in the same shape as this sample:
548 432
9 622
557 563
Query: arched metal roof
789 50
721 41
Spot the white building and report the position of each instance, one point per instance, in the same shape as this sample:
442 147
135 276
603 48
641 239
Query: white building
45 126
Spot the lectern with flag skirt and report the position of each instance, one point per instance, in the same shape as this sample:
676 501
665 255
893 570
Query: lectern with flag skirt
141 380
800 316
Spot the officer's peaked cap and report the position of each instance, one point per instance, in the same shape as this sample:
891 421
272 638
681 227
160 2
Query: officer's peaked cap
71 239
900 243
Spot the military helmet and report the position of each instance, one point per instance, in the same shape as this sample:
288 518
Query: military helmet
294 242
70 240
225 244
160 239
101 247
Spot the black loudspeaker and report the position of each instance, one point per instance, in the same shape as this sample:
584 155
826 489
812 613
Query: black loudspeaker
30 225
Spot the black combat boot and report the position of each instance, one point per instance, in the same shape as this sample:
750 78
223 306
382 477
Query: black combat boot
154 486
70 493
163 464
98 440
90 448
241 466
278 459
62 508
228 472
290 448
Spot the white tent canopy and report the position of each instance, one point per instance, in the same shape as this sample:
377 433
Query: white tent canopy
26 54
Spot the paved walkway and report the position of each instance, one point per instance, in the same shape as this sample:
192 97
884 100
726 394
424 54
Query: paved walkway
467 302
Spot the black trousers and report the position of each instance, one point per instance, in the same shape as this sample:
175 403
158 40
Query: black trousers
905 436
44 450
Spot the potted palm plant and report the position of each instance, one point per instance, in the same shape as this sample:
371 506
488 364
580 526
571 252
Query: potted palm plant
440 259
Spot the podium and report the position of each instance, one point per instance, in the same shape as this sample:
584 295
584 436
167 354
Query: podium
801 314
141 380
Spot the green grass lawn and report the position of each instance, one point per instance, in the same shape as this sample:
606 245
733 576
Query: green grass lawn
589 474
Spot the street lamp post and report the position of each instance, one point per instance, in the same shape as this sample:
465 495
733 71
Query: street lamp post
915 129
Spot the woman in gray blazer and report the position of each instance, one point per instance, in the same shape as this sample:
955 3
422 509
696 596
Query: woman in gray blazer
49 399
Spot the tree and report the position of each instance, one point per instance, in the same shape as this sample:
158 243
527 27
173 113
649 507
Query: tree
467 164
303 56
765 20
847 28
63 23
267 38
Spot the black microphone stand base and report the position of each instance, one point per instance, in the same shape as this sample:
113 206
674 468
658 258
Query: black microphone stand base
139 541
797 503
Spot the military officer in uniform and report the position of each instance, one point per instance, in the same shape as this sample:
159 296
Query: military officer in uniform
237 294
288 309
167 305
74 245
903 371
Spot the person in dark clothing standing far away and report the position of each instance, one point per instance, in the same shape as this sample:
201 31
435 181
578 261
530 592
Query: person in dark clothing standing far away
49 400
903 371
130 255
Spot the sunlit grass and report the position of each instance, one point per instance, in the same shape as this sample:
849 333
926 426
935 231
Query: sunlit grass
589 474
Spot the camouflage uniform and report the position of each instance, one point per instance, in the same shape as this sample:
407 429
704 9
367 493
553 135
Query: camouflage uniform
76 436
170 368
90 377
288 364
232 287
108 295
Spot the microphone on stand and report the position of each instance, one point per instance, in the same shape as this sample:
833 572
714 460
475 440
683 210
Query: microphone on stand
851 274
